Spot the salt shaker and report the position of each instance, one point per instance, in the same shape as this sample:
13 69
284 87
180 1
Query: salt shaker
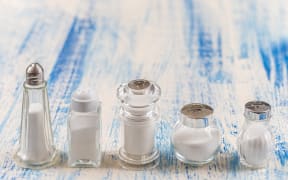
139 113
84 130
36 149
255 142
196 138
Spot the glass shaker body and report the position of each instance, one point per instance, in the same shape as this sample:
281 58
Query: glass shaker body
84 131
196 138
139 114
36 149
255 141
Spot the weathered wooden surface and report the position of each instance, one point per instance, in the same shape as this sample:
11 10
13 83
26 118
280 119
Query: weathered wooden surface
222 53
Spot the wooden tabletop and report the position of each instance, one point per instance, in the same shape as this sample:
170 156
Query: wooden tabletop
218 52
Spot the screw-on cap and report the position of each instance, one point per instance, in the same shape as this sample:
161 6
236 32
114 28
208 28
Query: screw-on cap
196 110
34 74
196 115
83 101
257 110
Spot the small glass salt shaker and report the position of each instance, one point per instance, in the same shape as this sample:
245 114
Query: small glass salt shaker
139 113
37 150
84 130
255 141
196 138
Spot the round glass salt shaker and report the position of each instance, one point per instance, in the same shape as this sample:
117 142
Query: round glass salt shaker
139 113
196 138
255 141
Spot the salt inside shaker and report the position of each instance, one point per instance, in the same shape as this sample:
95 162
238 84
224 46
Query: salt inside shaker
255 142
84 130
138 112
36 149
196 138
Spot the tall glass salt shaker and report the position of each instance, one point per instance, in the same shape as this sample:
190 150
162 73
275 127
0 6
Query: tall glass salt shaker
196 138
36 149
255 141
84 130
139 113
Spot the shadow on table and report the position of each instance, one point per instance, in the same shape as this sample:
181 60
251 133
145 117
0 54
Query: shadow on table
226 162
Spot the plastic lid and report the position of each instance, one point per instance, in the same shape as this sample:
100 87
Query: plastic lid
84 101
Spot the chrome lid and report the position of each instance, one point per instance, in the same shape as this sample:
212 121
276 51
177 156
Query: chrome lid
196 115
34 74
196 110
257 110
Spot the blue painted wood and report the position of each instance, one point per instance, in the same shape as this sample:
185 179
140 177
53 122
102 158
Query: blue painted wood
220 53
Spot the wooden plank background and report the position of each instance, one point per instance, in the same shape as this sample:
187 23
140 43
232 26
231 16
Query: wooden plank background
223 53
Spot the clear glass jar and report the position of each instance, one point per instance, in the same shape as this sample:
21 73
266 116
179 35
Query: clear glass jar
139 113
84 130
196 138
255 141
37 150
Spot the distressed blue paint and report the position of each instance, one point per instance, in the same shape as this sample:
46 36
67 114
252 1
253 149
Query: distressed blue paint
234 163
73 52
205 47
115 130
27 38
11 109
163 132
281 150
189 12
266 61
280 55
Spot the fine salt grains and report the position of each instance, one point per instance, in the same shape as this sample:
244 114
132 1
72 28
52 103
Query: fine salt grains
84 130
196 141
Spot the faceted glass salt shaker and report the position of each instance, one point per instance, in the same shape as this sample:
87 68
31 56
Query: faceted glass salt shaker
255 141
139 113
196 138
84 130
36 149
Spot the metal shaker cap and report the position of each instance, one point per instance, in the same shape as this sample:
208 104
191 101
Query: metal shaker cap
257 110
196 115
34 74
197 111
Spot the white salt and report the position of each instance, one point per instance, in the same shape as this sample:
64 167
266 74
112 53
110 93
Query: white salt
196 144
37 150
256 145
84 138
139 139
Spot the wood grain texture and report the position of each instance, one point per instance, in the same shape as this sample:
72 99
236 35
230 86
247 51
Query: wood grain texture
218 52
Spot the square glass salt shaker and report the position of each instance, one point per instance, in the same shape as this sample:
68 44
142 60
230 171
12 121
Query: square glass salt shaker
84 130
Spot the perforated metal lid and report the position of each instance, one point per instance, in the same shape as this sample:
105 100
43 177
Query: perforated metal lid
197 110
34 74
257 110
